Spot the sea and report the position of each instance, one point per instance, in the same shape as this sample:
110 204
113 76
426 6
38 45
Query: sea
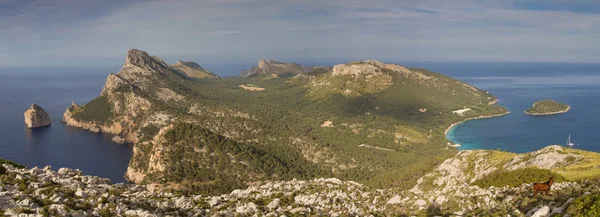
516 85
57 145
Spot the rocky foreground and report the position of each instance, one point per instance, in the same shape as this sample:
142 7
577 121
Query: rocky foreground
44 192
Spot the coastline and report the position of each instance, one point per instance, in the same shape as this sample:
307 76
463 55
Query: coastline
550 113
474 118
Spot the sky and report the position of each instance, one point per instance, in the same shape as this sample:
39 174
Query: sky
38 33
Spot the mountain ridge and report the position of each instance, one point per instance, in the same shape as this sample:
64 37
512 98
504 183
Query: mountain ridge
272 67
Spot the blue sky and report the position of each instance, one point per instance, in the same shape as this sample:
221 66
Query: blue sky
82 33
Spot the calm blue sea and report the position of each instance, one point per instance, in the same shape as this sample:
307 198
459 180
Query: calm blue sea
57 145
518 85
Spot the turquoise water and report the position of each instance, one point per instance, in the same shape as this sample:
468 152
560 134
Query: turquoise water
517 86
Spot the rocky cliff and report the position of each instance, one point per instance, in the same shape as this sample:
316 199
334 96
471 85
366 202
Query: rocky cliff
35 117
272 67
124 98
193 70
69 192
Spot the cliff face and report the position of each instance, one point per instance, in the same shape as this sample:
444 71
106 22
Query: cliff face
193 70
271 67
36 117
124 97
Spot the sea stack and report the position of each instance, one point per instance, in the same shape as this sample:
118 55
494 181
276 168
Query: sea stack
36 117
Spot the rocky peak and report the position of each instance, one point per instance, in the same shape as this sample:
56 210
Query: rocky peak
189 64
36 117
368 67
266 64
141 59
193 70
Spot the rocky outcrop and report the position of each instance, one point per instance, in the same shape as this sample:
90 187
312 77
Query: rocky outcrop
468 166
272 67
193 70
141 59
370 67
36 117
68 192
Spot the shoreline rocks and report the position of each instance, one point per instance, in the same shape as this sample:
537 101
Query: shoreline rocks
36 117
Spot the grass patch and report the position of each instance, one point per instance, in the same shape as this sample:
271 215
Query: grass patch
578 169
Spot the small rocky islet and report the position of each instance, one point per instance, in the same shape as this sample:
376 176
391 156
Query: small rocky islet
36 116
547 107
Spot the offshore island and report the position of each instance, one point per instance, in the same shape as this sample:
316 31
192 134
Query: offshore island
547 107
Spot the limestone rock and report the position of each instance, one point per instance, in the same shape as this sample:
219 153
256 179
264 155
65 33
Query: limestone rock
395 200
36 117
372 67
542 212
141 59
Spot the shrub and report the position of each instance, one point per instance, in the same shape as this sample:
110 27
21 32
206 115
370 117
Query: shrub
2 161
585 206
515 178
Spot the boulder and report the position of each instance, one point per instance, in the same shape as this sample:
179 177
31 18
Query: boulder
36 117
544 211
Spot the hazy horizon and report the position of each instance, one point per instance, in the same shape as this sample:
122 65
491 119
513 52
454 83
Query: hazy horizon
45 33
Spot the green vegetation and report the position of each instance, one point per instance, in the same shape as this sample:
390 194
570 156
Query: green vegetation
585 206
2 161
231 134
148 132
232 159
98 111
514 178
586 167
547 107
3 170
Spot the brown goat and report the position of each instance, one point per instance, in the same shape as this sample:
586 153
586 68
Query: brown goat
542 187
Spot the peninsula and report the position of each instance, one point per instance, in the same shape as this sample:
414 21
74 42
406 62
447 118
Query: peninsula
547 107
211 136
